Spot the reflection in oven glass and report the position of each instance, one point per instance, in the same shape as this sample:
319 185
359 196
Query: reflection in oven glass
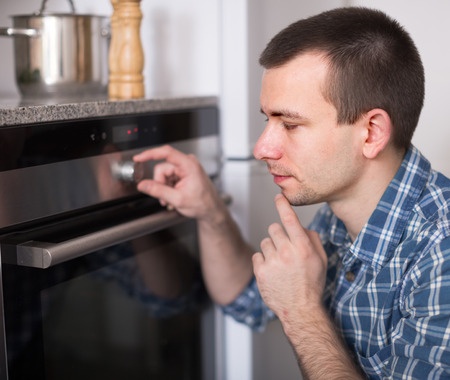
132 311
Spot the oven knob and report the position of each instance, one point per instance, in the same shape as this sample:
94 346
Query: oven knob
128 171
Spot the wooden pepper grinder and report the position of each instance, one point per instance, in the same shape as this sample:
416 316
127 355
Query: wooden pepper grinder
126 56
114 46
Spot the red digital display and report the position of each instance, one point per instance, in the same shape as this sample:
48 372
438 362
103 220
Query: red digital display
125 133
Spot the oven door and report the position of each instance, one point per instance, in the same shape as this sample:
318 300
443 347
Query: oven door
122 298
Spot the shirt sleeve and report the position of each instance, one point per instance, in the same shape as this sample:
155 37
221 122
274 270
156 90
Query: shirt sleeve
250 309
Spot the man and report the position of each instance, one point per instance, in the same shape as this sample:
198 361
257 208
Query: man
364 292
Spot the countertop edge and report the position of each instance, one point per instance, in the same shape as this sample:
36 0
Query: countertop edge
31 114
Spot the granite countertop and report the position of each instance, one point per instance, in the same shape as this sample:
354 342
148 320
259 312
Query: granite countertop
17 112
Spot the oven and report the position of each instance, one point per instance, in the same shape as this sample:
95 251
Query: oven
97 280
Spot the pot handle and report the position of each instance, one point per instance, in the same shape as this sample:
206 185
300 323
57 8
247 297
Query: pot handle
44 5
13 32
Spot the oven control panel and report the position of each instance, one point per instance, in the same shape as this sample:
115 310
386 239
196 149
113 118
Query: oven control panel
50 142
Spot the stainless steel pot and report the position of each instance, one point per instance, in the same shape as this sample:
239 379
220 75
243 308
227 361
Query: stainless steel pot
60 54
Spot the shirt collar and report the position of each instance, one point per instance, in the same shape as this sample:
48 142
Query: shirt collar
382 233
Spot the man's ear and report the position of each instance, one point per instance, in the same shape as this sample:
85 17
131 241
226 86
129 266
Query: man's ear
378 132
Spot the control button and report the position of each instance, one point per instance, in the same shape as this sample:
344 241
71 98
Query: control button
128 171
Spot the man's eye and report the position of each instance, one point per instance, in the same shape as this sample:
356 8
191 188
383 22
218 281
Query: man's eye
289 126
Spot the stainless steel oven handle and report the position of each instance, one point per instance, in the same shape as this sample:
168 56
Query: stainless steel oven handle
38 254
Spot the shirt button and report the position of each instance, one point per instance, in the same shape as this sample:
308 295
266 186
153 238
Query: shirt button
350 276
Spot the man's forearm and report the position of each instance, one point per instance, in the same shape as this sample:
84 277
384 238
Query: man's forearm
225 258
320 351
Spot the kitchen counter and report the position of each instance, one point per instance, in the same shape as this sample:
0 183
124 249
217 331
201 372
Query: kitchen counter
16 112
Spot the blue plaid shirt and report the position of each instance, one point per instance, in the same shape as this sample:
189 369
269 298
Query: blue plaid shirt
388 291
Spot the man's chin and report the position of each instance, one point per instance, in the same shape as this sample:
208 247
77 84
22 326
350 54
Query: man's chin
298 199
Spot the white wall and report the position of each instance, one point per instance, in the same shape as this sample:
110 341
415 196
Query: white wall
180 40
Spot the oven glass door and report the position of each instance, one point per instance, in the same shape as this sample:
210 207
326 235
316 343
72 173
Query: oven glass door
134 310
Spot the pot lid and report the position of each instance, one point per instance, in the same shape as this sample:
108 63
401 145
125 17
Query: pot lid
42 12
56 14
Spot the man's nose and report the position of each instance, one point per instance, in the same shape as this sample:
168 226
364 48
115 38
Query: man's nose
267 147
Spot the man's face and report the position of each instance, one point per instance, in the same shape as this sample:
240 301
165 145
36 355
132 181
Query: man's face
311 157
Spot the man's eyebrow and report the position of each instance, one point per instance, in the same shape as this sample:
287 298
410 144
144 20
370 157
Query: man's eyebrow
285 113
